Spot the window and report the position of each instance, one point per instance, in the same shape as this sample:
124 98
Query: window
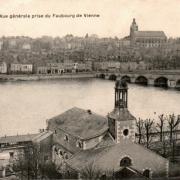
66 138
146 173
11 154
60 152
66 156
79 144
126 161
125 132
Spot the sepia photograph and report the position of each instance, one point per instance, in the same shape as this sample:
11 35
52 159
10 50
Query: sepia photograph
90 89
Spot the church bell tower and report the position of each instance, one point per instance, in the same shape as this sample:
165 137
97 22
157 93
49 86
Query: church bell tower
121 95
121 122
133 29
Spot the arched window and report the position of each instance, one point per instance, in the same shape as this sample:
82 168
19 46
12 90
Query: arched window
66 156
146 173
60 152
126 161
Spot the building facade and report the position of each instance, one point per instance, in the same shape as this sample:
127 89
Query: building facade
15 148
3 68
21 68
146 39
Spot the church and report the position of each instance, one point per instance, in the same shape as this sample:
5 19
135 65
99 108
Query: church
84 139
146 39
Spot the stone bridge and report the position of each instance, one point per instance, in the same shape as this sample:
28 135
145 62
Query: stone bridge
153 78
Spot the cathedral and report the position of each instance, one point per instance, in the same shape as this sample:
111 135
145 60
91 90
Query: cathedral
84 139
146 39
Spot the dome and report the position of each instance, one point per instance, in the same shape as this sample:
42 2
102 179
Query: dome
121 84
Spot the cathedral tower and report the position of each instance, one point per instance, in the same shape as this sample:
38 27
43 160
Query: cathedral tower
121 122
133 29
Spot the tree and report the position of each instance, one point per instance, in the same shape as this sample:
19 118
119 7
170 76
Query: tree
90 172
49 170
173 123
160 126
148 127
27 163
140 127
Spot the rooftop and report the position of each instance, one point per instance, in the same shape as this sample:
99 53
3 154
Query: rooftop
120 84
151 34
108 158
107 140
84 124
121 114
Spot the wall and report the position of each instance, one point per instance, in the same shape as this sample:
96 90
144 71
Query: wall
112 127
92 142
45 148
121 126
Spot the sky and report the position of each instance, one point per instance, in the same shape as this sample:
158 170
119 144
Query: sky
114 20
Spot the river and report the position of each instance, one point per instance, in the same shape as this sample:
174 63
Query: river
25 106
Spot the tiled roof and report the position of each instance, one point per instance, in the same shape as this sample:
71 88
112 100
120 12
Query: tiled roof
121 114
108 158
151 34
17 138
82 123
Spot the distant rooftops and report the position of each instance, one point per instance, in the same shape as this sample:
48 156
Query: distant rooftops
17 138
25 138
84 124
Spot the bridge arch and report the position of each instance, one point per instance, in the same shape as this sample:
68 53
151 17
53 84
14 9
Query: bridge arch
142 80
161 82
102 76
112 77
178 84
126 79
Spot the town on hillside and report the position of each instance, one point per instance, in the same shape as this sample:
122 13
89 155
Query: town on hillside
139 50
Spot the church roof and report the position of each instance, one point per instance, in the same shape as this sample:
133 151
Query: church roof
84 124
121 114
108 158
151 34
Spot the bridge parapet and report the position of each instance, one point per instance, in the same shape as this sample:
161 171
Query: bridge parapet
156 78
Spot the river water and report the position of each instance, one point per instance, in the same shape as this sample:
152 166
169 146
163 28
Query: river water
25 106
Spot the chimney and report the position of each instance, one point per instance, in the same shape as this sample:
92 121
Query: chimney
89 111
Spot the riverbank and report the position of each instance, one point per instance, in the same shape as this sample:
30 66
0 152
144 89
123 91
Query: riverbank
36 77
